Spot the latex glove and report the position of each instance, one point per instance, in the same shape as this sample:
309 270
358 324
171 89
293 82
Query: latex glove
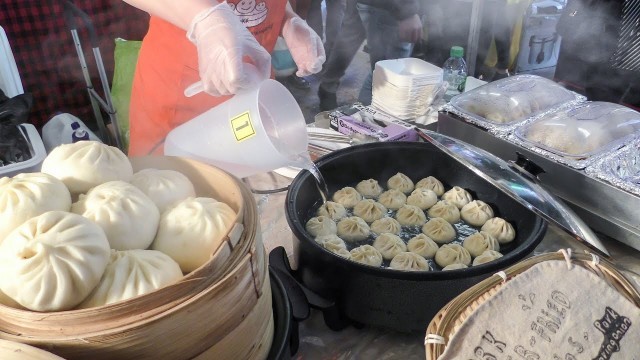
224 45
410 29
305 46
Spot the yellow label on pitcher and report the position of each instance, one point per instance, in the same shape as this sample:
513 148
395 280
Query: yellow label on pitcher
242 127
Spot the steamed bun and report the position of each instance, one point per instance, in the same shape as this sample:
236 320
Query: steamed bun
85 164
53 261
128 217
28 195
193 230
163 187
131 273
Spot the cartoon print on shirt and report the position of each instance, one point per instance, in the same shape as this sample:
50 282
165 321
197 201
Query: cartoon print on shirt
250 13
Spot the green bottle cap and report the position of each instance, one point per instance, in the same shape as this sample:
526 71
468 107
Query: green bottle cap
457 51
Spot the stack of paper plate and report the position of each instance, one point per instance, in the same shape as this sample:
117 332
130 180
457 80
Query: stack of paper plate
405 88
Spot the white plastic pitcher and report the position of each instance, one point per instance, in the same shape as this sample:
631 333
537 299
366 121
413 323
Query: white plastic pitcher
255 131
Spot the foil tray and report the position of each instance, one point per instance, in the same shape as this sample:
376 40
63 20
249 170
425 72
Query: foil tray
608 208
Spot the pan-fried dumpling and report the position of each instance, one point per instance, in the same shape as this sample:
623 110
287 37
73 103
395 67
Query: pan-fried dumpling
347 196
393 199
131 273
28 195
334 244
410 262
501 229
353 229
128 217
440 230
369 188
458 196
321 225
476 213
454 267
422 245
164 187
486 257
432 184
479 242
449 254
366 254
193 230
422 198
389 245
53 261
86 164
445 209
386 225
409 215
401 182
333 210
369 210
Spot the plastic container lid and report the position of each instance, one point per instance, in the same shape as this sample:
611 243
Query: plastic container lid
10 81
583 131
525 191
408 72
511 100
456 51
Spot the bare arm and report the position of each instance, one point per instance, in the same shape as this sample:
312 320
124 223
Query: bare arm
179 13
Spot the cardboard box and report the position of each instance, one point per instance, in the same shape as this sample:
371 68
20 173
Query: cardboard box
370 122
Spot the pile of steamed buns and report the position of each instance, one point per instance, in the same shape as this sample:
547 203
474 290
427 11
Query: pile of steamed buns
367 223
87 231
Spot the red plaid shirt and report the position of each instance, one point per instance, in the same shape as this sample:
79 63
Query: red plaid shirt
46 57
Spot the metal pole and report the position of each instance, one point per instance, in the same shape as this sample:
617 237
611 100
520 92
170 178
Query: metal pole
477 7
107 95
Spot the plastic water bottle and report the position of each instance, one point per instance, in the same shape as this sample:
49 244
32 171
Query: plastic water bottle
78 132
454 72
65 128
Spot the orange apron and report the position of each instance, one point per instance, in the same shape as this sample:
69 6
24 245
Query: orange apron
168 64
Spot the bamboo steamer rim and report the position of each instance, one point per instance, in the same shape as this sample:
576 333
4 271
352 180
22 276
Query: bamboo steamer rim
12 350
190 285
449 319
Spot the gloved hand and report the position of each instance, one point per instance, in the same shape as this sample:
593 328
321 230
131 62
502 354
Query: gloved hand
305 46
223 43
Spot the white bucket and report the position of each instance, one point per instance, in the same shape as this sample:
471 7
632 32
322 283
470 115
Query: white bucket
255 131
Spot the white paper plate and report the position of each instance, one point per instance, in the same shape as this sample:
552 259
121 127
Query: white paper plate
292 171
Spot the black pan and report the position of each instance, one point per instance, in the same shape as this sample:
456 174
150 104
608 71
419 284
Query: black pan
399 300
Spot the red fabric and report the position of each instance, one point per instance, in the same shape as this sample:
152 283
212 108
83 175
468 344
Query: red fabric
46 57
168 64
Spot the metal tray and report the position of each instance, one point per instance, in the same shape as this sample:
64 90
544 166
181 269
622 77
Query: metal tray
606 208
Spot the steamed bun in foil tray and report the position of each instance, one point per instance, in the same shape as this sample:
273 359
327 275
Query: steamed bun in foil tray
503 103
582 132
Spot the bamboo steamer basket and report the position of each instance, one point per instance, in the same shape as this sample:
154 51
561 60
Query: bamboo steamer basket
11 350
179 321
451 317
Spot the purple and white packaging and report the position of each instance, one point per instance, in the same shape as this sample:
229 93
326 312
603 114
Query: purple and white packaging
367 121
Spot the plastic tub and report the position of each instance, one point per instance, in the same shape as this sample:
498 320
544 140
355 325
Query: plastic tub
409 72
38 153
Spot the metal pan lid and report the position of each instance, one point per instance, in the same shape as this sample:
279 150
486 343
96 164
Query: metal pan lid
522 189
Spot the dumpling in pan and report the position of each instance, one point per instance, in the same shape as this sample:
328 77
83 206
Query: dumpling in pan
366 254
347 196
409 215
386 225
440 230
486 257
334 244
422 245
369 210
401 182
454 267
389 245
321 225
393 199
479 242
410 262
476 213
452 254
333 210
446 210
432 184
369 188
422 198
458 196
353 228
501 229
